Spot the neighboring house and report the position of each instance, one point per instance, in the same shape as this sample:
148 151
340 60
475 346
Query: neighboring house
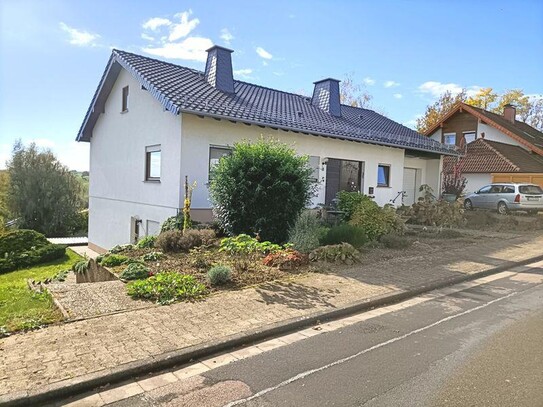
151 123
497 148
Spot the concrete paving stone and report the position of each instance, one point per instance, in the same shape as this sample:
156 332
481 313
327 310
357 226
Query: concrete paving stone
219 360
244 353
191 370
271 344
154 382
121 392
90 401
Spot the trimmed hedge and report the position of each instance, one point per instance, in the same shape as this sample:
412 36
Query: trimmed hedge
24 248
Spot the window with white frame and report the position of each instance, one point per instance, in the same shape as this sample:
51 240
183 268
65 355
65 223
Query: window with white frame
215 154
124 106
314 164
449 138
469 136
152 163
383 175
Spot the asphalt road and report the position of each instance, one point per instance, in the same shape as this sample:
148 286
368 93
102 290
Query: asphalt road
482 346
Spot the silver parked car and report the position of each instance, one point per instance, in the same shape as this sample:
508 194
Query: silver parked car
505 197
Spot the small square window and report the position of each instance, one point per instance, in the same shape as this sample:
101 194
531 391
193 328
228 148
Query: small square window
449 138
383 175
152 163
125 100
215 154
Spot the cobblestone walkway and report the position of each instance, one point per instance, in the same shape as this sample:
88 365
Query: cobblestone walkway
31 360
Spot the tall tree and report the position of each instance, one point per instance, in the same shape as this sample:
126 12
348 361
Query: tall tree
354 94
529 109
4 188
440 107
43 194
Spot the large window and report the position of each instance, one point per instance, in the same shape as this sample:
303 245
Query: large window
383 175
124 107
152 163
342 175
314 163
449 138
215 154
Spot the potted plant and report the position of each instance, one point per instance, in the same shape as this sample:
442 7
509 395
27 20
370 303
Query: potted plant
454 183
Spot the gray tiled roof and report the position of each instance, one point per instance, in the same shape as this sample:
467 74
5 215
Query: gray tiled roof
184 90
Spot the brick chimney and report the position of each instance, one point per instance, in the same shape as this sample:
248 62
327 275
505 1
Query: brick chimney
218 71
510 112
326 96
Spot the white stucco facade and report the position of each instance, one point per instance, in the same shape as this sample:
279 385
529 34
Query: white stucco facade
493 134
119 193
118 190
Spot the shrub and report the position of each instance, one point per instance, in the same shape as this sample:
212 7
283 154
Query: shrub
287 259
176 240
376 221
245 244
348 201
392 241
172 223
121 248
260 189
167 287
344 253
436 213
21 240
24 248
152 256
135 271
219 274
112 260
148 242
305 233
345 233
81 266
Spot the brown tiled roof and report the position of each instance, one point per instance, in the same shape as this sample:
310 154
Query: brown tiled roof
486 156
521 129
523 133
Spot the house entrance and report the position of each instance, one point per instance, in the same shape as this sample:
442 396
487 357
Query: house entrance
343 175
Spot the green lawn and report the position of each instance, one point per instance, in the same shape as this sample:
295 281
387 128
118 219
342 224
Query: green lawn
20 308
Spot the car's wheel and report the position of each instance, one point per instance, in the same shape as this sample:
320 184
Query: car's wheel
468 205
502 208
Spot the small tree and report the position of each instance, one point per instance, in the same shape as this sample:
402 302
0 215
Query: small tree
187 221
454 182
43 194
261 189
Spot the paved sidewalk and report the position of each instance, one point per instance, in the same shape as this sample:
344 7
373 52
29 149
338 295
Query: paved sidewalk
36 359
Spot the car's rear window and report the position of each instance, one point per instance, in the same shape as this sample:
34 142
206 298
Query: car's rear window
530 189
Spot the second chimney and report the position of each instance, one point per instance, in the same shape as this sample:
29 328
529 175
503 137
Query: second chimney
219 68
510 112
326 96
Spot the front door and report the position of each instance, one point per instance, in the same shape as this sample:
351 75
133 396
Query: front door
342 175
409 186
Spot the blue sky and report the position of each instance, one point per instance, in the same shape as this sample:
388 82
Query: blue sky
52 53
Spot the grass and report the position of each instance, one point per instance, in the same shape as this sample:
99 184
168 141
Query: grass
20 308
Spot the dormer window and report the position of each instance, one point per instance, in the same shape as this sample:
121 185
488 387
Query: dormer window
125 100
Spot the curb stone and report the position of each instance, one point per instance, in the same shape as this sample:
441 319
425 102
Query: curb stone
71 387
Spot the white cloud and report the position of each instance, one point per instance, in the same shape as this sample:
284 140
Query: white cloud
391 84
79 37
154 23
369 81
147 37
226 36
398 95
192 48
436 89
263 53
245 73
184 27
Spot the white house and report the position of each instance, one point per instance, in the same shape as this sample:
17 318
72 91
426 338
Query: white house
151 123
496 148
